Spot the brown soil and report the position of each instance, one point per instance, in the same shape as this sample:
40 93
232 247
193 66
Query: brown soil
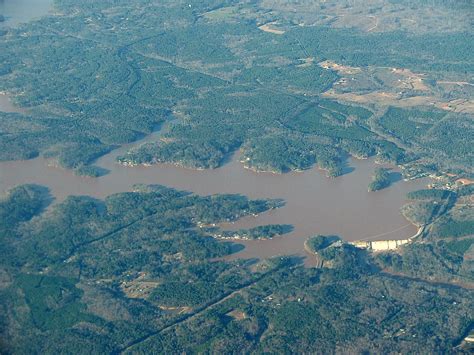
267 28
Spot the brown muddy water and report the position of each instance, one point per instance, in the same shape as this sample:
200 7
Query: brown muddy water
315 204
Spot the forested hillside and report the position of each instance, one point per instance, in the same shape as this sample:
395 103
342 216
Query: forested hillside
138 272
282 85
237 77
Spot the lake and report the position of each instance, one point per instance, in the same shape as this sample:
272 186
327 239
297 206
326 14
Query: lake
20 11
315 204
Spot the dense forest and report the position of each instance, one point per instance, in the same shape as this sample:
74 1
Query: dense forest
111 73
286 85
380 180
137 272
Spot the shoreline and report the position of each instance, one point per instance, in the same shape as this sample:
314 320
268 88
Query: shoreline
314 203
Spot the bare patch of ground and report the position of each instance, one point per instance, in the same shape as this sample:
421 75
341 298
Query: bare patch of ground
465 181
306 62
237 315
460 83
373 16
393 99
139 288
180 310
269 27
376 23
411 79
173 257
459 105
341 69
220 13
394 87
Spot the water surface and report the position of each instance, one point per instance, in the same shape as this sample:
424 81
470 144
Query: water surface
21 11
315 204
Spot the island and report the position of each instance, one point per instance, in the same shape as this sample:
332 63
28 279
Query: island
272 86
380 180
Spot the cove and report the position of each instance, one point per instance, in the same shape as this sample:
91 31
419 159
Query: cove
315 204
